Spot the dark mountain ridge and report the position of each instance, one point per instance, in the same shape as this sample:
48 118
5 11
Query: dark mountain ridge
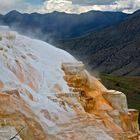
113 50
59 25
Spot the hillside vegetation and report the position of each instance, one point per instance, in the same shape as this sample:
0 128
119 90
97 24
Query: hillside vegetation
112 50
128 85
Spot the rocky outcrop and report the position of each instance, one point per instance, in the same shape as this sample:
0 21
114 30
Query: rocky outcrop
116 99
110 105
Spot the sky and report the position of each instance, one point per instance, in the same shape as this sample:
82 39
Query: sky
68 6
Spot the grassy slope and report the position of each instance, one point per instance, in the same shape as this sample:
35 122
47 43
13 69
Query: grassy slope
128 85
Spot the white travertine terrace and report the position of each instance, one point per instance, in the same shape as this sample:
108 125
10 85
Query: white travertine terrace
33 77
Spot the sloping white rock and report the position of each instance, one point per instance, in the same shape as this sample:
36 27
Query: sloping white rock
33 67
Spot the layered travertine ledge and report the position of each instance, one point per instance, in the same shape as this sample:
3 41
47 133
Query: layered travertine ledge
110 105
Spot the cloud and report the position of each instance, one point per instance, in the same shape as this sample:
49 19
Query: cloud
8 4
79 6
62 6
93 2
70 6
5 3
127 5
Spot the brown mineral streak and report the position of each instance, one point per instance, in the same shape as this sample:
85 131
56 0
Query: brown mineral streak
14 112
1 84
95 103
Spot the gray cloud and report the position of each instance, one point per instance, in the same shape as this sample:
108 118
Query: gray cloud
93 2
7 4
90 2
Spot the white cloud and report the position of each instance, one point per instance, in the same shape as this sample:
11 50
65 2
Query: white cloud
69 6
62 6
127 5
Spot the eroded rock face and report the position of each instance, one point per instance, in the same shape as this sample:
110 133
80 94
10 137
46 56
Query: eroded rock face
110 105
117 100
134 116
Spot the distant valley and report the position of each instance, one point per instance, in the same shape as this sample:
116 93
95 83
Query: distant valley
107 42
112 50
